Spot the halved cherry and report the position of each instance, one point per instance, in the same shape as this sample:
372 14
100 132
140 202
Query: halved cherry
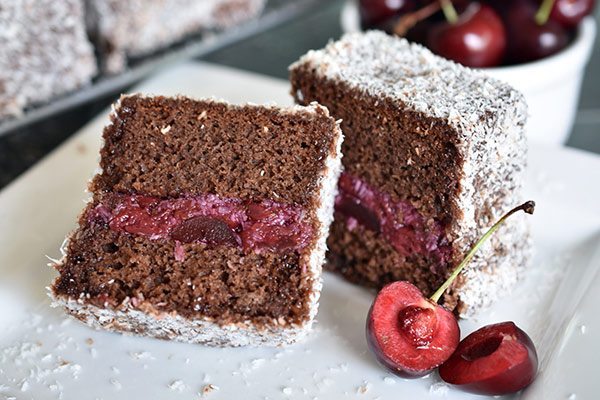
411 334
497 359
408 333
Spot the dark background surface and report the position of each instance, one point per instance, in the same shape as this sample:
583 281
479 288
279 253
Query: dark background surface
268 53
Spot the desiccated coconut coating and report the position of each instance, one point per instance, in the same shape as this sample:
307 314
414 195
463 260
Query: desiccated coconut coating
133 28
44 52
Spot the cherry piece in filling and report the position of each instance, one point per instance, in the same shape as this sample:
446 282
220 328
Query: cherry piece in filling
205 229
495 360
352 208
274 227
253 226
411 334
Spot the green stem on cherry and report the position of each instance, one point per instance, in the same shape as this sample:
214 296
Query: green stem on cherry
449 11
527 207
543 13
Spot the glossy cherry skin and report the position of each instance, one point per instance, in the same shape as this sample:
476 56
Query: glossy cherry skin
409 334
379 12
569 13
528 41
495 360
477 39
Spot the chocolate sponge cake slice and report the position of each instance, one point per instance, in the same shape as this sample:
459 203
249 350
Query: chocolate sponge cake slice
207 223
434 153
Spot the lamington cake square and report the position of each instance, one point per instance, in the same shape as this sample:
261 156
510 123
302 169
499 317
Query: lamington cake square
434 154
207 222
126 29
44 52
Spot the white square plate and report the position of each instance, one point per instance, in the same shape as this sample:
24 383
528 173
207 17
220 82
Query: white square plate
44 355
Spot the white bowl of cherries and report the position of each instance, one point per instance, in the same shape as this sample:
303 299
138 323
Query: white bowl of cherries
540 47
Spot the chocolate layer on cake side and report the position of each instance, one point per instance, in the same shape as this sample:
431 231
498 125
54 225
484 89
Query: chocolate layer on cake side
434 153
44 52
133 28
207 224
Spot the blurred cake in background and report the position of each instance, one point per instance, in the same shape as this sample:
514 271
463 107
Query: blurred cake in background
49 48
44 52
134 28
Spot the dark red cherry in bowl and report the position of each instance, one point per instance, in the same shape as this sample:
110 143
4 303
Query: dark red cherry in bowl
495 360
569 13
476 39
408 333
378 12
528 40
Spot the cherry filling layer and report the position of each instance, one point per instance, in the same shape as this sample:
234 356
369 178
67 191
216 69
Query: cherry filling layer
398 222
210 219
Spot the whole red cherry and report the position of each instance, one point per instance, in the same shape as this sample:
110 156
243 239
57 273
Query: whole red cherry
374 13
569 13
477 39
527 39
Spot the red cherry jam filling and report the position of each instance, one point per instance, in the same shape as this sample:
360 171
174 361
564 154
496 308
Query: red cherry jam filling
399 222
209 219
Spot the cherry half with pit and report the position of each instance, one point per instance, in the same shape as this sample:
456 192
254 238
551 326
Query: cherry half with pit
411 335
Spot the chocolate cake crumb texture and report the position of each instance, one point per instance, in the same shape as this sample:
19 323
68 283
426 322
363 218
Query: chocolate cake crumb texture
213 147
446 138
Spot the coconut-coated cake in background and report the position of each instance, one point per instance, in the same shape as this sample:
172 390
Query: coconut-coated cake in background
49 48
44 52
134 28
207 222
434 153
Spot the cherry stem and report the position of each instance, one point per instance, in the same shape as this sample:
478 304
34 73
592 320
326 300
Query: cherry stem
527 207
543 13
408 21
449 11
